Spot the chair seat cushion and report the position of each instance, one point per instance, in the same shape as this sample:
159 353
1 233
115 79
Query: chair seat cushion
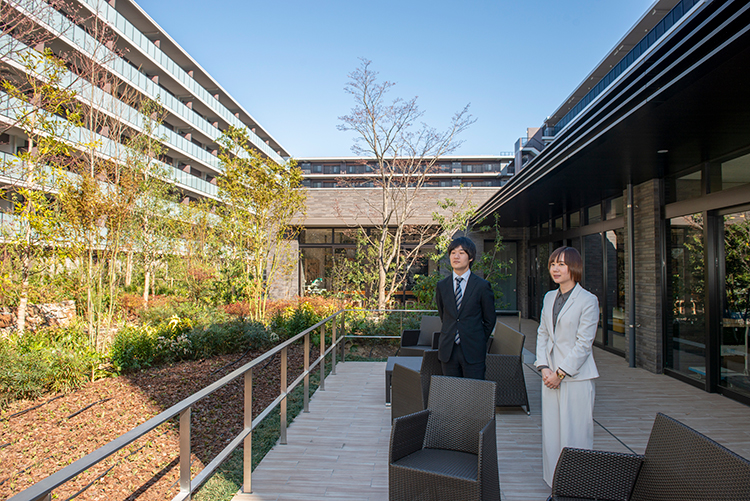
414 351
444 462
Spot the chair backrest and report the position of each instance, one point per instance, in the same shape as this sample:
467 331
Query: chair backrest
406 393
507 340
431 366
683 464
459 409
427 326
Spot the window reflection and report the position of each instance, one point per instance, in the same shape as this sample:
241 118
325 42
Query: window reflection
734 173
686 333
735 325
593 280
616 316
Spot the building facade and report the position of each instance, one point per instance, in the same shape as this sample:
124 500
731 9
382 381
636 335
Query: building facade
344 196
142 62
645 169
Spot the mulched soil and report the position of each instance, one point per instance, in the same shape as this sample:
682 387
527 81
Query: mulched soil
65 428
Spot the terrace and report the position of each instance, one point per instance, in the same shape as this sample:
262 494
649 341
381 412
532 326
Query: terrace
339 450
338 447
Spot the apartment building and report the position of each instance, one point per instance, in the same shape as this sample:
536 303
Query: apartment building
143 62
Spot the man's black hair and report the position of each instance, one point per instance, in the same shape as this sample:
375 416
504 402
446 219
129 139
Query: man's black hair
467 245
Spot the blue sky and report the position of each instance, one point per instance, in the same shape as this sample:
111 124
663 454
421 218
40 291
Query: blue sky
287 62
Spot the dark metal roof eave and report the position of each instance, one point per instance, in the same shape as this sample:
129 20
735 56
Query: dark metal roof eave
569 141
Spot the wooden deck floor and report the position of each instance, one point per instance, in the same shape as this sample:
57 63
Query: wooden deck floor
339 450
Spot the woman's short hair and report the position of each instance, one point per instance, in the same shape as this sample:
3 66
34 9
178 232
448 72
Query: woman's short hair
571 257
467 245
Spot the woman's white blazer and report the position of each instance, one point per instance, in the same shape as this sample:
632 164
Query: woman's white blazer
568 345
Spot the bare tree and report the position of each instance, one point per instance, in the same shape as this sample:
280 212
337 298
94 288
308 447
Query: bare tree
23 24
23 27
405 153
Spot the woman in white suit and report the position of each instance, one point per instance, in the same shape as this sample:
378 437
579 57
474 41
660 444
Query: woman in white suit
569 320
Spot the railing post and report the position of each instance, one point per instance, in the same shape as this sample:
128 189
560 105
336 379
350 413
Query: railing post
185 452
247 444
343 336
322 357
282 429
306 398
333 346
519 320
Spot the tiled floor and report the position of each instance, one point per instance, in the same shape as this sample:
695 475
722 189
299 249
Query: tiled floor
339 450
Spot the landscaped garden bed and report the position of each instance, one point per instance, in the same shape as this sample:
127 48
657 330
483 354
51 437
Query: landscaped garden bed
62 428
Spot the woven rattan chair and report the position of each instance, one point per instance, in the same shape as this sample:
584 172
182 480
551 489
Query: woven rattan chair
410 389
505 367
679 464
416 341
448 451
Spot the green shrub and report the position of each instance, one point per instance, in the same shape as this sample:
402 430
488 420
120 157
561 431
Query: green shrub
134 348
174 307
386 324
229 337
175 339
424 289
22 376
289 323
49 360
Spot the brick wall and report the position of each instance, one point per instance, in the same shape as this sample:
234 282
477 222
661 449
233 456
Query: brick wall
286 282
359 206
648 294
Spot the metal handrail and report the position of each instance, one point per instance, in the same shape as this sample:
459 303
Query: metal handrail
42 490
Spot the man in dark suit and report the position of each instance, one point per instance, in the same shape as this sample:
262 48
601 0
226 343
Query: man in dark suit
466 305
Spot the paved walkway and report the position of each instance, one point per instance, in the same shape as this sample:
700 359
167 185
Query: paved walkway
339 450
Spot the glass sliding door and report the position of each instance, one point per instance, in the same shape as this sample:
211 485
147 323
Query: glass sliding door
593 276
686 326
615 313
736 303
540 281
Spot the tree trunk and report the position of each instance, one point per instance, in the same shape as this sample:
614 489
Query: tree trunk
146 285
381 288
89 296
21 315
129 269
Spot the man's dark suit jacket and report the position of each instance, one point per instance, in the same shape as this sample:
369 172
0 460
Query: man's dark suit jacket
476 318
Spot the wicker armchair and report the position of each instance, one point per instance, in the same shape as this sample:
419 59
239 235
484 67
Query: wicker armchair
416 341
505 367
679 464
449 450
410 389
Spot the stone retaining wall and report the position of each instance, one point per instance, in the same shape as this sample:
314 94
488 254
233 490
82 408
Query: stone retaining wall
40 315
